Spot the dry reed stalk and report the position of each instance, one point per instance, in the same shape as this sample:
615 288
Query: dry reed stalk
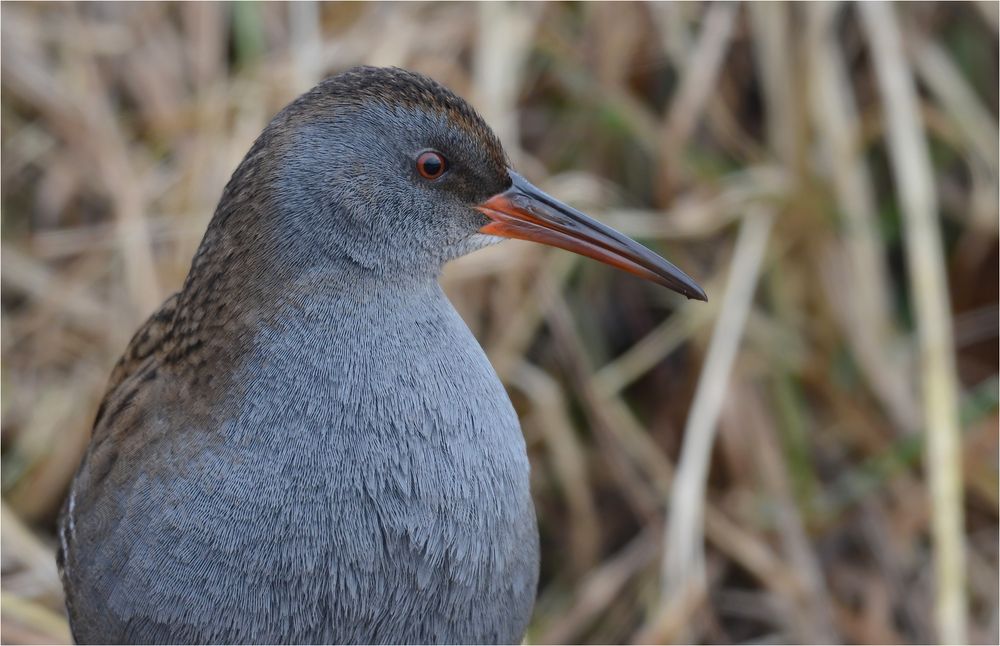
977 128
866 318
27 559
649 351
599 588
306 43
108 146
914 179
683 573
972 119
990 12
700 73
498 69
680 47
569 461
810 614
729 538
623 446
25 622
23 273
769 22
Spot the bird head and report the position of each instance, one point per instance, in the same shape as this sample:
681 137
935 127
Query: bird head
394 172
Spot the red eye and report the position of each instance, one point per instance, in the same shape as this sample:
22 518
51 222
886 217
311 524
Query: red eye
431 165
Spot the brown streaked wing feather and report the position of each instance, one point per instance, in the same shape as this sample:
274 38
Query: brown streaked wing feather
151 336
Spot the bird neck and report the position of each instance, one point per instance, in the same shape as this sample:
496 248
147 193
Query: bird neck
240 285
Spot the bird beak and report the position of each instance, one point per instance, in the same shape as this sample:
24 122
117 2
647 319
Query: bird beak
523 211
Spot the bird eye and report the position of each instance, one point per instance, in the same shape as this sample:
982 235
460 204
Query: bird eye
431 165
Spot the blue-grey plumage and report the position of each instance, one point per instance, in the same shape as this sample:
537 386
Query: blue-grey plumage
348 495
306 444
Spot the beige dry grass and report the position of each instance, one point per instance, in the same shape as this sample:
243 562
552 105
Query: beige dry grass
813 452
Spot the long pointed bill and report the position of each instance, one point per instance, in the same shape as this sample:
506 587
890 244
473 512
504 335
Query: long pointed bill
523 211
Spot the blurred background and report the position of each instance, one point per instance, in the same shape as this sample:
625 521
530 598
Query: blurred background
812 456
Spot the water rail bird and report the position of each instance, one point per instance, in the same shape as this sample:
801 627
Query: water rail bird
306 444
